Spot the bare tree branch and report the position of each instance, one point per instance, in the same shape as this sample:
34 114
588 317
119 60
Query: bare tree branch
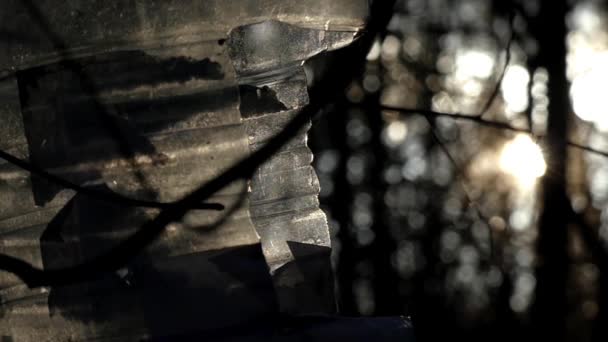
106 119
486 123
458 172
501 77
341 72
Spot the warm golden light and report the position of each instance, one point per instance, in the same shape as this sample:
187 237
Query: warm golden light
523 159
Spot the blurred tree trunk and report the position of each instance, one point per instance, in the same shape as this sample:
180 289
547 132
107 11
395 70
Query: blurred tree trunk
386 280
382 248
549 311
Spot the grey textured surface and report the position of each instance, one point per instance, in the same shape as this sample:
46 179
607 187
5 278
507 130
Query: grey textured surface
194 86
284 203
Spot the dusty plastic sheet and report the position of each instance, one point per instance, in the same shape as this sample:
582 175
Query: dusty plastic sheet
182 132
159 97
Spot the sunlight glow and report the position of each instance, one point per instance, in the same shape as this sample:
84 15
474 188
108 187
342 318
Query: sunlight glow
585 17
395 133
474 64
523 159
515 88
588 93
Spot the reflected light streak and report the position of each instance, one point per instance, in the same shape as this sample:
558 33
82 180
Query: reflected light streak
523 159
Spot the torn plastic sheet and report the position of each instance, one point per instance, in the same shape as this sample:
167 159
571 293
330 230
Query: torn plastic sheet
189 88
284 202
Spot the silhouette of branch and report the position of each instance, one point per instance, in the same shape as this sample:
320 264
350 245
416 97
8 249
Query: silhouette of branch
431 115
107 120
88 85
111 197
486 123
587 148
501 77
341 70
116 257
109 124
458 171
586 231
227 213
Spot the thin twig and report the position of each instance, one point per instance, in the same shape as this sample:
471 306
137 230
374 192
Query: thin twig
455 116
501 77
110 197
486 123
110 125
89 86
458 170
118 256
587 149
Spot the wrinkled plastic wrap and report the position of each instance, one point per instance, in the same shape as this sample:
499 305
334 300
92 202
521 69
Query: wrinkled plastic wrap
158 98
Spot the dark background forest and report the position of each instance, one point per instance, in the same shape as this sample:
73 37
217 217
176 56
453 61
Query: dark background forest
463 171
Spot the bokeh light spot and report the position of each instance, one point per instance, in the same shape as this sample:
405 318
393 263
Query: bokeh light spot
515 88
474 64
523 159
588 92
